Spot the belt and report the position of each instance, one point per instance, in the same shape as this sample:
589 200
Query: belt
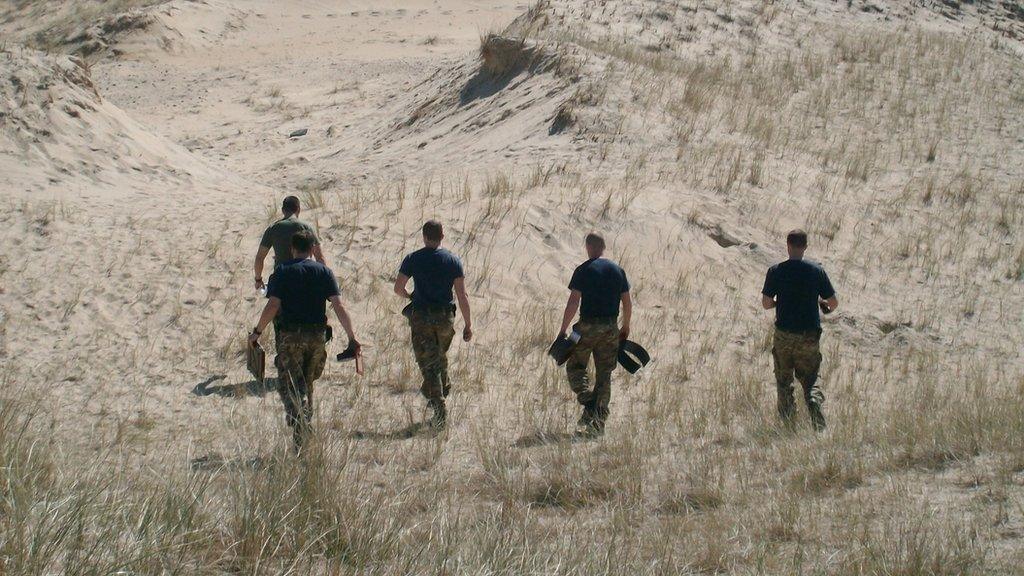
603 320
808 332
300 327
433 308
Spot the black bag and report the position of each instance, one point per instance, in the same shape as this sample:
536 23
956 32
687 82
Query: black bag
632 356
256 361
561 349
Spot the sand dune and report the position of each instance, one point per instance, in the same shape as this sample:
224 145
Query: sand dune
694 134
60 133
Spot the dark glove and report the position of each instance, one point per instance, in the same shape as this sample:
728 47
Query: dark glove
350 352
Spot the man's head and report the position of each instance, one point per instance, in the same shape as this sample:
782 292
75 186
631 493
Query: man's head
290 206
433 233
796 243
595 245
302 244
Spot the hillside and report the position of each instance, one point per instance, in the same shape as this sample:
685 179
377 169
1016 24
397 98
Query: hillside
693 134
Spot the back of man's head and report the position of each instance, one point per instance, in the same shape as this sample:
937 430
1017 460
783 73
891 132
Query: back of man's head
797 239
433 232
595 244
290 206
302 242
796 243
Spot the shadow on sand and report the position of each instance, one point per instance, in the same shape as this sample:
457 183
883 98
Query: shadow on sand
250 388
404 433
214 462
544 438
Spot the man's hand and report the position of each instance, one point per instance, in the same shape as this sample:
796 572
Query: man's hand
623 333
351 351
254 339
467 333
824 307
259 284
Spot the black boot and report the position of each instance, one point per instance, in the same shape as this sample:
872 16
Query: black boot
589 424
817 417
439 419
600 417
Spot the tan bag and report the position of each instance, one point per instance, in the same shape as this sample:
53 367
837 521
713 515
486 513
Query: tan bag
256 361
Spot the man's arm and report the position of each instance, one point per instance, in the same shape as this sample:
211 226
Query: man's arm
318 254
832 303
269 311
460 295
571 307
343 318
627 315
770 290
257 266
400 283
827 294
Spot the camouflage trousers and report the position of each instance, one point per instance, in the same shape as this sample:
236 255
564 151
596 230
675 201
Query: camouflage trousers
300 360
798 354
602 342
432 334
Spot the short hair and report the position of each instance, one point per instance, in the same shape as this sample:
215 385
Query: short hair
302 241
290 205
797 238
433 231
595 240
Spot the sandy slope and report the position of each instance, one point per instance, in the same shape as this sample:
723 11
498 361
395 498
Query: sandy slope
699 133
134 219
163 235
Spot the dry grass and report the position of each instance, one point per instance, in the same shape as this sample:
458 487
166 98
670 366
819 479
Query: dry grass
920 473
65 26
746 496
694 475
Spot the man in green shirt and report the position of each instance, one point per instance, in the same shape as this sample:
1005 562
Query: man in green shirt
279 237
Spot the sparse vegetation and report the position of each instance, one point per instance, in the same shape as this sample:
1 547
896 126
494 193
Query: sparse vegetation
894 144
81 27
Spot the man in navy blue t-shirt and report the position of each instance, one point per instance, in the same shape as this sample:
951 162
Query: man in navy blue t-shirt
596 289
797 289
297 294
436 273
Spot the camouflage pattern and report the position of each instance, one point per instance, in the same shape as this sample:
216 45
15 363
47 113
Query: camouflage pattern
602 342
432 334
301 357
798 354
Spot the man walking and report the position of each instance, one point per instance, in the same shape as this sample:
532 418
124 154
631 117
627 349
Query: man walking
279 236
435 272
596 289
796 289
297 293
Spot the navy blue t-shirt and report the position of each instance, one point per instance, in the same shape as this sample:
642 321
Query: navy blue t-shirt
796 286
602 283
303 287
433 272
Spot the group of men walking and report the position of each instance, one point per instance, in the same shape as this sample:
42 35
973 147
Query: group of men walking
302 285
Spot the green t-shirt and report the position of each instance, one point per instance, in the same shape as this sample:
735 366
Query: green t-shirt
279 237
